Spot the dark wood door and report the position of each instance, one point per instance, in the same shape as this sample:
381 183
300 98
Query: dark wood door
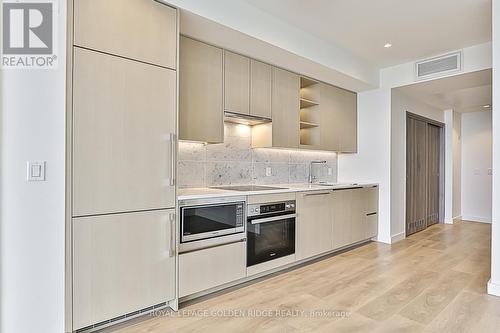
433 173
416 175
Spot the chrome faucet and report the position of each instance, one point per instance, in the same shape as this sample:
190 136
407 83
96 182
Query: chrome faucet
311 177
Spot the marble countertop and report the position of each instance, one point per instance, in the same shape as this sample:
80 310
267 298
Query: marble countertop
206 192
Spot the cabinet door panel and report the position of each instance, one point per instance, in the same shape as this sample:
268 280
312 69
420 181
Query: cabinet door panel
348 121
314 224
329 123
338 124
371 204
201 98
285 109
260 89
144 30
212 267
121 263
236 83
358 215
123 114
342 218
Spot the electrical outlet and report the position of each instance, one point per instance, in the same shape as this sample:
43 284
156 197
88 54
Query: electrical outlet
330 171
269 172
490 172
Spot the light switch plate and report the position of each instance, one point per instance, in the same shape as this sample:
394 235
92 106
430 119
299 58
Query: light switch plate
35 171
330 171
269 172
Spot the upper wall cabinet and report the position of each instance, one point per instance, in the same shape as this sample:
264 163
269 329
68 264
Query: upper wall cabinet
143 30
338 119
236 83
348 117
260 88
201 92
247 85
283 132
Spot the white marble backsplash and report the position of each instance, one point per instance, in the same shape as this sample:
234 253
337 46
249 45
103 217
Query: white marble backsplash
235 162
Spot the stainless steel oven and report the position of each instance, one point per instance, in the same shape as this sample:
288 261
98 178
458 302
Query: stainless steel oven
210 218
270 231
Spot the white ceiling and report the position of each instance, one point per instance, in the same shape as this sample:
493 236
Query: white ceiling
416 28
463 93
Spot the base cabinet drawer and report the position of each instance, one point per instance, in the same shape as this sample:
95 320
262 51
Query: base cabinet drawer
205 269
371 225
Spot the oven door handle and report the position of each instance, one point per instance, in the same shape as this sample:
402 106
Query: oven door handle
274 218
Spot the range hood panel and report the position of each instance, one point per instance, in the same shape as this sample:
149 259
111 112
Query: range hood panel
245 119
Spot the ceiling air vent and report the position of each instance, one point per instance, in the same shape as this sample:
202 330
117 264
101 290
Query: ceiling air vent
439 66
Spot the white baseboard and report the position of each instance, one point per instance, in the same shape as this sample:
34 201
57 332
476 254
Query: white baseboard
448 220
385 240
476 219
398 237
493 288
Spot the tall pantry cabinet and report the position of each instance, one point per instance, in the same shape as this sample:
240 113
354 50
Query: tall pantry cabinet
124 129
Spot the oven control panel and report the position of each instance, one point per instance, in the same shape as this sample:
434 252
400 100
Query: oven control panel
270 208
240 216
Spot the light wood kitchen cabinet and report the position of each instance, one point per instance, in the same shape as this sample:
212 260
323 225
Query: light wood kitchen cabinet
122 263
338 120
143 30
358 215
329 130
208 268
355 215
236 83
341 205
285 109
314 224
348 118
201 92
371 210
284 132
124 125
260 88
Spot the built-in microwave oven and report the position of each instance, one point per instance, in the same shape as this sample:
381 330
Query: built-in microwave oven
209 218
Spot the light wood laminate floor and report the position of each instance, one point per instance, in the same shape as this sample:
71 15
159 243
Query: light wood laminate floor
433 281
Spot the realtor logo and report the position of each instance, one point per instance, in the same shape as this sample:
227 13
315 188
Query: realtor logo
28 34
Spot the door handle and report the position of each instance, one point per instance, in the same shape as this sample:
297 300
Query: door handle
172 158
171 251
317 193
274 218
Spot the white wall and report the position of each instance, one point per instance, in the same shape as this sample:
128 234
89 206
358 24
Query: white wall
32 216
494 284
449 166
457 165
372 162
476 164
475 58
400 105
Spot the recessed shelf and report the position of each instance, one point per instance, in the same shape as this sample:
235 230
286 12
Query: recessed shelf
306 82
304 103
306 124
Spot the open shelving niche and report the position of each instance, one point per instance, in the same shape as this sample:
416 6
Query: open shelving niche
309 112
